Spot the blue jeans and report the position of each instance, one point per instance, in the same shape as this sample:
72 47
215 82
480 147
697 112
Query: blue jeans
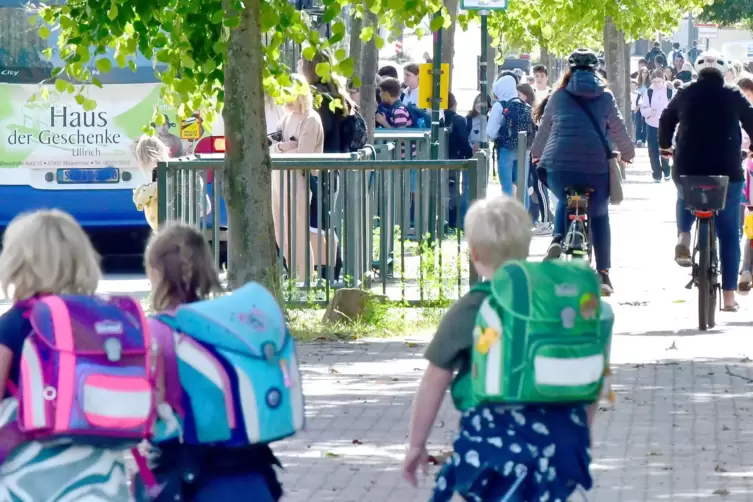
727 228
640 126
659 165
507 169
598 210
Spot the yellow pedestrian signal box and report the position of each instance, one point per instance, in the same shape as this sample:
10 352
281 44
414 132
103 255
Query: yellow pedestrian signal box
426 86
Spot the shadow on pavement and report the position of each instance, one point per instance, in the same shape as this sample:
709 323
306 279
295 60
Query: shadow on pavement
680 430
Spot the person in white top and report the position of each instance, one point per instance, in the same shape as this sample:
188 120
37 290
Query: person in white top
541 83
410 79
654 101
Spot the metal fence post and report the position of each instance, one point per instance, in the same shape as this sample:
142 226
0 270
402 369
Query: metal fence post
522 172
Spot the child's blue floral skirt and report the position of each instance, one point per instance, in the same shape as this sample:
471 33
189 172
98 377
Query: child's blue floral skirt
526 454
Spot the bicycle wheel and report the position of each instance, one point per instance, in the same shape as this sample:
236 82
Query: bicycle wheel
704 273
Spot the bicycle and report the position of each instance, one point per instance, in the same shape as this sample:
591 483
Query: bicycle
705 196
577 241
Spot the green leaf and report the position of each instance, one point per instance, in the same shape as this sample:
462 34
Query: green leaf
338 28
367 33
44 32
547 32
437 23
47 53
112 12
96 82
324 71
61 85
103 65
120 59
345 67
340 54
309 53
80 99
45 93
89 104
379 42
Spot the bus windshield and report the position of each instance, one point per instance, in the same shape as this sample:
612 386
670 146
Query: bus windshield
22 60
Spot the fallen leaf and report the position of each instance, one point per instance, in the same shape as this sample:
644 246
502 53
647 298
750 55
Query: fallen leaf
440 424
720 491
725 428
411 344
333 371
331 455
356 441
678 301
655 454
719 468
673 346
416 369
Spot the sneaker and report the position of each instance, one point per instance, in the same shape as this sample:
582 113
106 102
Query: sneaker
682 255
555 249
657 181
606 283
745 282
542 229
667 178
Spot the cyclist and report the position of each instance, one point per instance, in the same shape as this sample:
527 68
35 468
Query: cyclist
708 143
570 150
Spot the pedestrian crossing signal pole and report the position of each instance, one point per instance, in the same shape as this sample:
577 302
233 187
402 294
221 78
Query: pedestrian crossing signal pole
483 144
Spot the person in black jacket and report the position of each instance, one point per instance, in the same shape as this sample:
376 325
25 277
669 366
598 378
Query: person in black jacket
709 143
652 54
459 147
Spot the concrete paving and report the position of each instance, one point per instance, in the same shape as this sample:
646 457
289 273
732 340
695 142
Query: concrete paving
680 430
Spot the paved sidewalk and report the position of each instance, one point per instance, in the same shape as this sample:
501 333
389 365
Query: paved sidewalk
680 431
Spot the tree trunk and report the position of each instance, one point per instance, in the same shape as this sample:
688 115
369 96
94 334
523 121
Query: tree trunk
448 37
354 53
614 42
369 63
626 82
247 183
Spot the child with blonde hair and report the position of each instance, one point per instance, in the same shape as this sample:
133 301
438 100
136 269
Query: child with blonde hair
181 270
511 446
47 253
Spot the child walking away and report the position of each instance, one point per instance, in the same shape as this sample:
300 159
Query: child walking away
528 351
51 271
230 377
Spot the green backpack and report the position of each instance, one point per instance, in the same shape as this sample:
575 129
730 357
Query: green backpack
541 336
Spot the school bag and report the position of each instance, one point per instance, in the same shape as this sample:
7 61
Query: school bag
85 374
353 132
516 117
420 118
542 335
650 92
235 363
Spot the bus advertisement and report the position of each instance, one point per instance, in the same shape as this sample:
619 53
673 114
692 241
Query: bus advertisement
53 153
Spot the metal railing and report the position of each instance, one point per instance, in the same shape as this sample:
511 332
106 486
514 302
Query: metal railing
366 227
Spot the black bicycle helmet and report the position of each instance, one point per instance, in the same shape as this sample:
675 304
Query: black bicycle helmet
583 59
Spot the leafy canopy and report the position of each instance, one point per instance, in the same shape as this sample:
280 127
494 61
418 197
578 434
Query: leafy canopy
729 12
564 25
188 41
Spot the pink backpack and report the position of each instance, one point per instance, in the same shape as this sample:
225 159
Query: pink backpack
86 373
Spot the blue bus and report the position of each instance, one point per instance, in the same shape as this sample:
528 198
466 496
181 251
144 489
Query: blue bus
53 153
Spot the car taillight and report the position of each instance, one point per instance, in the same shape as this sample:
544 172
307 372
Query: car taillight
211 144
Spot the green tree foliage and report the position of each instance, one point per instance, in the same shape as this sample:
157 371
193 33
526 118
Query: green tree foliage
729 12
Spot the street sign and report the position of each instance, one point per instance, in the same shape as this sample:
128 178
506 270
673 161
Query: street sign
483 4
707 30
426 87
190 129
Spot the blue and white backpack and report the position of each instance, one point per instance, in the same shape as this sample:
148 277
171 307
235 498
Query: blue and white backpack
234 365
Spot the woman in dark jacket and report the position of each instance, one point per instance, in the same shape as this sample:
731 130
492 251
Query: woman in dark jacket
332 122
571 151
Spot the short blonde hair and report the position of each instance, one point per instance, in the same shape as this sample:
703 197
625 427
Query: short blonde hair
498 229
47 252
149 151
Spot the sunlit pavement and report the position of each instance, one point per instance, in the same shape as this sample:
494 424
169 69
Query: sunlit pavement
681 428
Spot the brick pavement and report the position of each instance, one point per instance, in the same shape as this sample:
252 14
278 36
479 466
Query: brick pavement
680 431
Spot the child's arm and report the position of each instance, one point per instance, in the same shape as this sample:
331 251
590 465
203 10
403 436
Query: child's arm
429 397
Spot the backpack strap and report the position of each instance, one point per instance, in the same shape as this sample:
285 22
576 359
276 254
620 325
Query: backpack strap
162 327
669 92
649 93
482 287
